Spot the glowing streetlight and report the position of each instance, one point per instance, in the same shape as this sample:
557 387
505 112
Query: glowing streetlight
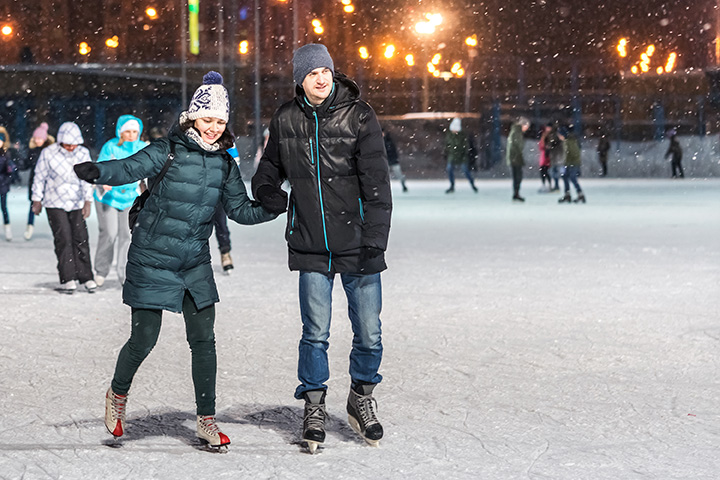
670 64
346 2
151 12
431 67
455 67
317 26
622 47
426 28
6 30
389 51
364 54
471 41
112 42
84 48
410 59
243 47
659 70
436 59
634 69
349 8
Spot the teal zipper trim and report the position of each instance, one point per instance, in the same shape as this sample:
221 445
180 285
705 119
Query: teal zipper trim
362 212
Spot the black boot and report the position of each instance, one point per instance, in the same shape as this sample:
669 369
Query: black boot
565 198
361 413
314 419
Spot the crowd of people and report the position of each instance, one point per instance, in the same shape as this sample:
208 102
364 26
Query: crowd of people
158 202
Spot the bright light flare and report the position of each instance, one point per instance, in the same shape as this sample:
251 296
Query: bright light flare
670 64
349 8
389 51
650 50
471 41
410 59
151 13
364 54
455 67
6 30
431 67
113 42
660 70
436 59
622 47
84 48
434 18
243 47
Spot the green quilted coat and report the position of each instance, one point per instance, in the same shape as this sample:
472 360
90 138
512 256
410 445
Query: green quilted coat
169 252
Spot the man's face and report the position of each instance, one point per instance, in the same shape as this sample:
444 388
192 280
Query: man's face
318 84
68 147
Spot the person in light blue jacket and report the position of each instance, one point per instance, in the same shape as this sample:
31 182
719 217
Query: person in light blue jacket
112 204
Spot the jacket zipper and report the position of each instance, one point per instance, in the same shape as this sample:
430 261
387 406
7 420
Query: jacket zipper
319 183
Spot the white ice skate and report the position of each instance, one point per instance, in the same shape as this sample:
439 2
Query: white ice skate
115 413
208 431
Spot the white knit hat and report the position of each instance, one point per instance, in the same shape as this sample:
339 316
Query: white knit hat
210 99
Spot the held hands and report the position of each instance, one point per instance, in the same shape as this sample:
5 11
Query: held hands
273 199
87 171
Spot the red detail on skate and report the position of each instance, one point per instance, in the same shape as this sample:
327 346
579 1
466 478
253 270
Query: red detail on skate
118 432
224 440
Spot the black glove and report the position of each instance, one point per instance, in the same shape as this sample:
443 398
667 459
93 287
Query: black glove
273 199
87 171
367 255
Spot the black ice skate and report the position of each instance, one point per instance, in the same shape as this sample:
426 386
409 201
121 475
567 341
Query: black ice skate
580 198
361 414
314 419
565 198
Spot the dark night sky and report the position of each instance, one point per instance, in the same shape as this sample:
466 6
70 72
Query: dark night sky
579 28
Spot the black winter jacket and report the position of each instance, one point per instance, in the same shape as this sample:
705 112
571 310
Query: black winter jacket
334 158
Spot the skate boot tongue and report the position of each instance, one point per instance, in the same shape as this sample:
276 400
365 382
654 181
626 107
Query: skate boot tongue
315 396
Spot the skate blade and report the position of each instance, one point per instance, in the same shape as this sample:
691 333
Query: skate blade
356 428
312 446
214 448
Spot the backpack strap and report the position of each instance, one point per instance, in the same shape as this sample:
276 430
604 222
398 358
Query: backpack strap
165 168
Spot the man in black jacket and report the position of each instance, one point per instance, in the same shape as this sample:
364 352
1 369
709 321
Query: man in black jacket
328 144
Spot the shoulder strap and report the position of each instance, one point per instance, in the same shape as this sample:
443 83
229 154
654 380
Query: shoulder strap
166 166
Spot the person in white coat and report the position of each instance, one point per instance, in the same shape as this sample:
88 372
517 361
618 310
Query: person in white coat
68 202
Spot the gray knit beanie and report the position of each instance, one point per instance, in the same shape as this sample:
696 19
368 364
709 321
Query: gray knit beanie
309 57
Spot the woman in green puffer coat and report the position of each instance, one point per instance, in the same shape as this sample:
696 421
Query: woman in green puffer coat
169 266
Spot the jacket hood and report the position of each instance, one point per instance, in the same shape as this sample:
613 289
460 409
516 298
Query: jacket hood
69 134
123 119
345 92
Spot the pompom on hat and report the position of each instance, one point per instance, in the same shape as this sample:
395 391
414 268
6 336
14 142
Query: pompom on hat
210 99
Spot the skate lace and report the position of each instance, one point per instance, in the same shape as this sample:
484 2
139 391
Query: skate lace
366 406
118 406
315 416
207 422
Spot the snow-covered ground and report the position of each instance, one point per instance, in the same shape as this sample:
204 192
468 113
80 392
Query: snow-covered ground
535 340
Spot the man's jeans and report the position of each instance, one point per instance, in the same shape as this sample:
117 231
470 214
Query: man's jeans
364 295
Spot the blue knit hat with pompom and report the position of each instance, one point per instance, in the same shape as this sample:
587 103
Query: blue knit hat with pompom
210 99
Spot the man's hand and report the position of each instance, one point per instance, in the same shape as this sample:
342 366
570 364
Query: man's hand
87 208
87 171
273 199
36 207
367 255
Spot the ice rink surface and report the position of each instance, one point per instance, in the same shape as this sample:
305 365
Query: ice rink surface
522 341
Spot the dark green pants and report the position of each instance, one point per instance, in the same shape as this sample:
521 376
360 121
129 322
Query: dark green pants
199 328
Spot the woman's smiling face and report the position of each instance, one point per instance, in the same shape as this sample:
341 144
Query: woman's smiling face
210 128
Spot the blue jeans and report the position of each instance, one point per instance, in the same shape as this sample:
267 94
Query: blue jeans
364 296
570 175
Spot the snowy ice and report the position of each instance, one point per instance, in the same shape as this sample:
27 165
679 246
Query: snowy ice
536 340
